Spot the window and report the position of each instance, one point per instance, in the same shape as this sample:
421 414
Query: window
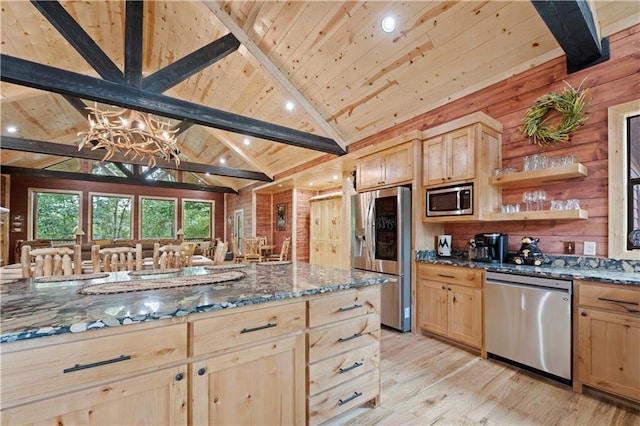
157 217
54 214
624 184
157 173
197 219
110 169
111 216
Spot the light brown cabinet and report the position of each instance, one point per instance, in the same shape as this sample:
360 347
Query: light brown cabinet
343 346
465 150
325 242
392 166
608 338
450 302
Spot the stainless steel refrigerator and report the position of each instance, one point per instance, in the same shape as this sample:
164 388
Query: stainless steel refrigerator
381 242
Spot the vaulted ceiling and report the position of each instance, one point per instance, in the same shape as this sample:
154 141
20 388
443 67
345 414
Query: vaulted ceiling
346 78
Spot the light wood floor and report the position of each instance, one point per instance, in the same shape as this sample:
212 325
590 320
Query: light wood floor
425 381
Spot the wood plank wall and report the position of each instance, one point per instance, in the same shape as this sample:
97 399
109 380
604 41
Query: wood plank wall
610 83
286 198
303 223
19 196
264 217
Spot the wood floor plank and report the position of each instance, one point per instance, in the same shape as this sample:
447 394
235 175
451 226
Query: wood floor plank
426 381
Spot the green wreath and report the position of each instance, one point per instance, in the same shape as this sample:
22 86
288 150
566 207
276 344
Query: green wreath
570 103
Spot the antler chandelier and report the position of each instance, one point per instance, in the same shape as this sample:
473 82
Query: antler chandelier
131 133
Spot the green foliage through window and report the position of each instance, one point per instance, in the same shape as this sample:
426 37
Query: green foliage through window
158 218
197 219
111 217
56 215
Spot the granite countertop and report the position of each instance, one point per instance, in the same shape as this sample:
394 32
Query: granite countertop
556 270
34 309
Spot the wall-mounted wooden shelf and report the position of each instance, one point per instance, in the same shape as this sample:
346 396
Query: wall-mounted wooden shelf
540 215
538 176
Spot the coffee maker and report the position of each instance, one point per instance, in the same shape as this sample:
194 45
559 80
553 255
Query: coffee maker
491 247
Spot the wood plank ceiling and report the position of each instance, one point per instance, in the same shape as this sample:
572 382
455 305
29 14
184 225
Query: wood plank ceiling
347 79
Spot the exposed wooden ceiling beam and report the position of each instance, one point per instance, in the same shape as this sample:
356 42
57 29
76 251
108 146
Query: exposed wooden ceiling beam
191 64
572 24
50 148
253 162
53 174
274 71
79 39
26 73
133 42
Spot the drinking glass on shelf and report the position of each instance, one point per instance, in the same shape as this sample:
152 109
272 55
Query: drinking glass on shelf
526 199
540 197
573 204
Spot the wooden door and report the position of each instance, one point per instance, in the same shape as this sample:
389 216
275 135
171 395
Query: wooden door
609 352
398 166
432 306
158 398
264 384
369 172
460 155
465 314
434 157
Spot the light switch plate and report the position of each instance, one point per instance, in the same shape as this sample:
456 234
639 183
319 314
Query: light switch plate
589 248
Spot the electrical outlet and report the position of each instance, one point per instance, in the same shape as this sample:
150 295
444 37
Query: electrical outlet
589 248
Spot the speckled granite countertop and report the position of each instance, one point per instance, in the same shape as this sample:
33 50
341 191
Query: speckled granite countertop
31 309
546 270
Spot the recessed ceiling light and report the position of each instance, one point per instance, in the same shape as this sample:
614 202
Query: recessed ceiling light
388 24
12 129
310 183
246 141
222 160
207 174
335 177
290 106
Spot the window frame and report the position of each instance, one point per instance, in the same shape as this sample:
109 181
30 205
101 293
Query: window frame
213 215
618 180
114 195
30 209
140 218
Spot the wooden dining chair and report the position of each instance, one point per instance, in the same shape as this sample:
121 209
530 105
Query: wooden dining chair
237 256
113 259
220 253
45 262
284 252
171 256
252 252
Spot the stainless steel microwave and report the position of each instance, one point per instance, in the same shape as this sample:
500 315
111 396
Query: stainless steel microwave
450 201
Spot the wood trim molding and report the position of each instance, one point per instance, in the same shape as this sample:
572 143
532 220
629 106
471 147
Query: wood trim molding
618 114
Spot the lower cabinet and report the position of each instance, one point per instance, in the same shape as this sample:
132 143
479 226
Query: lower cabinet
608 329
450 302
158 398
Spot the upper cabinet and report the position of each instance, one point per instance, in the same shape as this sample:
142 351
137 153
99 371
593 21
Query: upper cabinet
392 166
464 150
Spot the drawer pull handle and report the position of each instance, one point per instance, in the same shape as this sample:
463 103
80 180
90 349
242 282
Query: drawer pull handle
621 303
351 398
79 367
201 371
445 276
179 376
345 339
355 365
348 308
262 327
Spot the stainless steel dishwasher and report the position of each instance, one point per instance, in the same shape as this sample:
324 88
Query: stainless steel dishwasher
528 321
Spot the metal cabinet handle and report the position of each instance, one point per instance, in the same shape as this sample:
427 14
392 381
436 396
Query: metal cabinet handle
355 365
583 313
179 376
261 327
348 308
79 367
345 339
351 398
201 371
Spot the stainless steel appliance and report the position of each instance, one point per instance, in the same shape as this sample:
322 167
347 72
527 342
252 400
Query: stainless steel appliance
450 201
528 321
382 242
491 247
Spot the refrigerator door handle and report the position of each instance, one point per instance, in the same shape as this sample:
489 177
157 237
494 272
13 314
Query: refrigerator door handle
371 230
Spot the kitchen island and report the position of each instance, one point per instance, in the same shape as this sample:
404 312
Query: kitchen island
230 352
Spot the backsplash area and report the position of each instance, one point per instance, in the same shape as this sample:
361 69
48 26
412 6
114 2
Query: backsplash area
554 261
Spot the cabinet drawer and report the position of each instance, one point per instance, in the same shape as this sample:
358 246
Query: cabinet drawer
613 298
342 337
51 368
214 334
328 309
334 401
335 370
452 274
